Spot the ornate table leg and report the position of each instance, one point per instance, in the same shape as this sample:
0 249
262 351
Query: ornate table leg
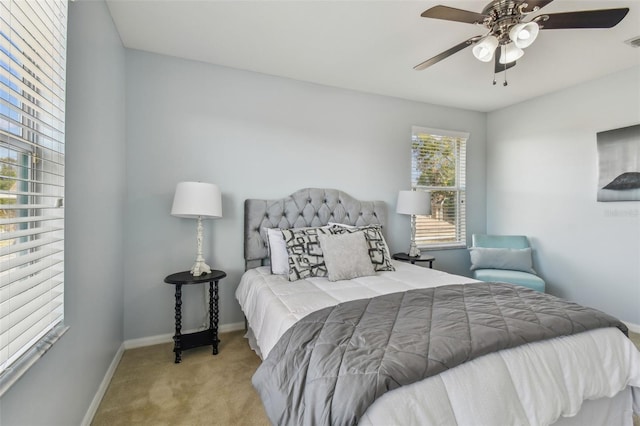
213 314
177 347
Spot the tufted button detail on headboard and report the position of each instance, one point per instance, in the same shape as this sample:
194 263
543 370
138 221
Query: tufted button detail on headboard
306 207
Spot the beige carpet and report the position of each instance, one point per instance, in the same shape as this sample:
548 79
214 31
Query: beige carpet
149 389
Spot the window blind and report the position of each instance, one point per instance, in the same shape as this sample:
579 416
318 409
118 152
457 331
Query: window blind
438 165
32 121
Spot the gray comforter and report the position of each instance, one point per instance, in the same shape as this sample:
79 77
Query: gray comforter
331 365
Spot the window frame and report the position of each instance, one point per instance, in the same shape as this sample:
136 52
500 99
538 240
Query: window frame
426 227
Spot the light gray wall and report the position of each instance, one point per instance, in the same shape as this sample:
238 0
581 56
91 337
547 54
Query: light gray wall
541 181
58 389
257 136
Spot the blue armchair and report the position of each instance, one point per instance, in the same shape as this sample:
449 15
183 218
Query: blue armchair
504 258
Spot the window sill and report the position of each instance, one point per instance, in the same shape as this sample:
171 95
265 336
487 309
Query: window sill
22 365
453 246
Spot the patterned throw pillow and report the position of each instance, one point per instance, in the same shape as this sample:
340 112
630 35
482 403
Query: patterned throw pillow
304 253
377 246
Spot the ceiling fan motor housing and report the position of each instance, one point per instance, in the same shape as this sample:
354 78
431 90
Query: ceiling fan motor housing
502 15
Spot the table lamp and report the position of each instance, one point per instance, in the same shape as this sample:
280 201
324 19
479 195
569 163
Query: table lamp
197 200
414 203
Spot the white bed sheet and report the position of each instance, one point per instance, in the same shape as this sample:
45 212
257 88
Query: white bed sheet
538 383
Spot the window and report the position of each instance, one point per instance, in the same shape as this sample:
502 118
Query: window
438 165
32 95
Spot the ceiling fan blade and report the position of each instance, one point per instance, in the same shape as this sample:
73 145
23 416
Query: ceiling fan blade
446 53
498 67
605 18
452 14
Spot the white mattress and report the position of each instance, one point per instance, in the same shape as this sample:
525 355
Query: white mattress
539 383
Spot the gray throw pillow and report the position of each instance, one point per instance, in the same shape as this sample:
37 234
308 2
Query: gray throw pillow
376 244
346 256
501 258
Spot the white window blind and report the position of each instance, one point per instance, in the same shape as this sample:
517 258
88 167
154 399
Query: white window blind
32 111
438 165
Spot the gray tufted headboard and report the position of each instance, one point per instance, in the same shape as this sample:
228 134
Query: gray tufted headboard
306 207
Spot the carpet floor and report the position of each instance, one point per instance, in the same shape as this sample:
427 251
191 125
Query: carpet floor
149 389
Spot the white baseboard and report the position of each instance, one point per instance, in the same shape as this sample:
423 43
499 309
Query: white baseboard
102 389
149 341
632 327
166 338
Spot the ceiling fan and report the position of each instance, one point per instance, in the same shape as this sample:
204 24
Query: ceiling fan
508 33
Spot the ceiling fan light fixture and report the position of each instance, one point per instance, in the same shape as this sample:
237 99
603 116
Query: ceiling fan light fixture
484 49
510 53
524 34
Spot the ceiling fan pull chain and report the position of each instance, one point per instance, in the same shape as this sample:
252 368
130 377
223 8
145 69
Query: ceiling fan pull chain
505 72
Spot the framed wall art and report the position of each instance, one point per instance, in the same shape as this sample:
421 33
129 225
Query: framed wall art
619 164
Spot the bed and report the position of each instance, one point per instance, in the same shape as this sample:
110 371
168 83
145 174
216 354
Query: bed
535 379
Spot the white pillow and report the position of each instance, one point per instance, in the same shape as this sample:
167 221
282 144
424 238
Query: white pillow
278 256
501 258
346 256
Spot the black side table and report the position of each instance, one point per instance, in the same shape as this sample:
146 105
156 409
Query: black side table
413 259
199 338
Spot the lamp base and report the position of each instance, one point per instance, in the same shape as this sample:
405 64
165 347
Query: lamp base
200 268
413 250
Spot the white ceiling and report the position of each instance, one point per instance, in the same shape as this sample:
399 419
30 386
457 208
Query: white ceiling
372 46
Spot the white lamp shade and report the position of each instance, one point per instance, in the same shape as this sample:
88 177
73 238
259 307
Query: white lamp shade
414 202
484 49
510 53
197 199
524 34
